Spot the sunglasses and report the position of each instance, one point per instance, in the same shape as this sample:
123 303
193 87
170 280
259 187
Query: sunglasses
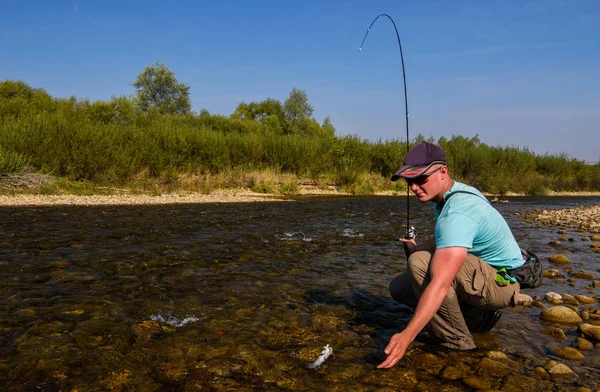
422 179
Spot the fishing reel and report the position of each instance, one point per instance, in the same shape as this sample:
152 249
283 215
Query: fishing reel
411 234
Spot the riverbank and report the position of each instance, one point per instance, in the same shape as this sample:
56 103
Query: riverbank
240 195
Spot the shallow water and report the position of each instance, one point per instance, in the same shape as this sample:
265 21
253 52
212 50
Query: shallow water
244 296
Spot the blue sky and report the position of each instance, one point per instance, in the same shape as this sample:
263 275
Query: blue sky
516 73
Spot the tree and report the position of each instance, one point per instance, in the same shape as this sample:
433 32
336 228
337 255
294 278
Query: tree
159 90
296 107
328 128
298 113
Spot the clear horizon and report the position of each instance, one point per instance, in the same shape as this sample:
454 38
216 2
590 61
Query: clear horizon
514 73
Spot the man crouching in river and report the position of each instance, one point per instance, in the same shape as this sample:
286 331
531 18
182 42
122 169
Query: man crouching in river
451 280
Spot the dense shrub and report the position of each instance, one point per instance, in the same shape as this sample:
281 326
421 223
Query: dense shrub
113 141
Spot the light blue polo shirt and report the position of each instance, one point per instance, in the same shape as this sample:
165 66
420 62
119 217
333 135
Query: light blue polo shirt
471 222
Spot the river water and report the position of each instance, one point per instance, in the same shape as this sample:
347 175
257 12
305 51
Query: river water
243 296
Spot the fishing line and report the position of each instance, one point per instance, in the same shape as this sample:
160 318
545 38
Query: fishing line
410 231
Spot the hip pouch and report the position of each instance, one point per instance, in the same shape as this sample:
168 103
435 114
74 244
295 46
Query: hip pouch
531 274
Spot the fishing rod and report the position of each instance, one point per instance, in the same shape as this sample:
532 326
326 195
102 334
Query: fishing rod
410 231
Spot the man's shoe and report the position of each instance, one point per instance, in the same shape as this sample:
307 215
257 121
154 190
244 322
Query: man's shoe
480 320
522 300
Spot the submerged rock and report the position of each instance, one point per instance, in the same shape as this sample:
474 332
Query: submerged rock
559 369
583 344
568 353
555 332
477 383
143 331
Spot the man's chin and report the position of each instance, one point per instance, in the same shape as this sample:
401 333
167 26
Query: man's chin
423 197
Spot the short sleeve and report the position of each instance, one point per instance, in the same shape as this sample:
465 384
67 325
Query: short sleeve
455 229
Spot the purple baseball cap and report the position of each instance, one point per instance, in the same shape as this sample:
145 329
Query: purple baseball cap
420 158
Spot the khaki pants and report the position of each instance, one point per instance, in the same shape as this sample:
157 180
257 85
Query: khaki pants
474 285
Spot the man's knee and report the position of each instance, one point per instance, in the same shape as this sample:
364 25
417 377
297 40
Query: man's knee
401 290
418 263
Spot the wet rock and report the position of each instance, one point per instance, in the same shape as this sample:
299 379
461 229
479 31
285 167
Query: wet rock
430 363
405 377
568 353
555 332
493 368
569 299
59 264
585 299
539 304
145 330
595 238
551 273
555 243
519 383
560 370
589 330
552 296
456 372
27 312
559 259
583 344
573 308
583 275
117 381
497 356
478 383
541 371
585 315
560 315
596 284
174 371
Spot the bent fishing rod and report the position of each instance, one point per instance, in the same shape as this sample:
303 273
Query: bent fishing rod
410 231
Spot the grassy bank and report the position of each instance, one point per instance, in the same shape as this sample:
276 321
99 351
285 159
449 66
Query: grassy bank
86 147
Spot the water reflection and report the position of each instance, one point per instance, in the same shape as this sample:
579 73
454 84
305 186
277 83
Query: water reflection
243 297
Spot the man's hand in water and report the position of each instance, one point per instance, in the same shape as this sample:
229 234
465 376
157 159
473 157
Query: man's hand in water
395 349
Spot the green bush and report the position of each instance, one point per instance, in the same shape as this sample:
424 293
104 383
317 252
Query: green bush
114 142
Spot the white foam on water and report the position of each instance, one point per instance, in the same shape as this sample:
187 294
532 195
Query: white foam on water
296 236
174 321
352 233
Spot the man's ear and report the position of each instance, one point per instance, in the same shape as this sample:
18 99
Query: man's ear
444 171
